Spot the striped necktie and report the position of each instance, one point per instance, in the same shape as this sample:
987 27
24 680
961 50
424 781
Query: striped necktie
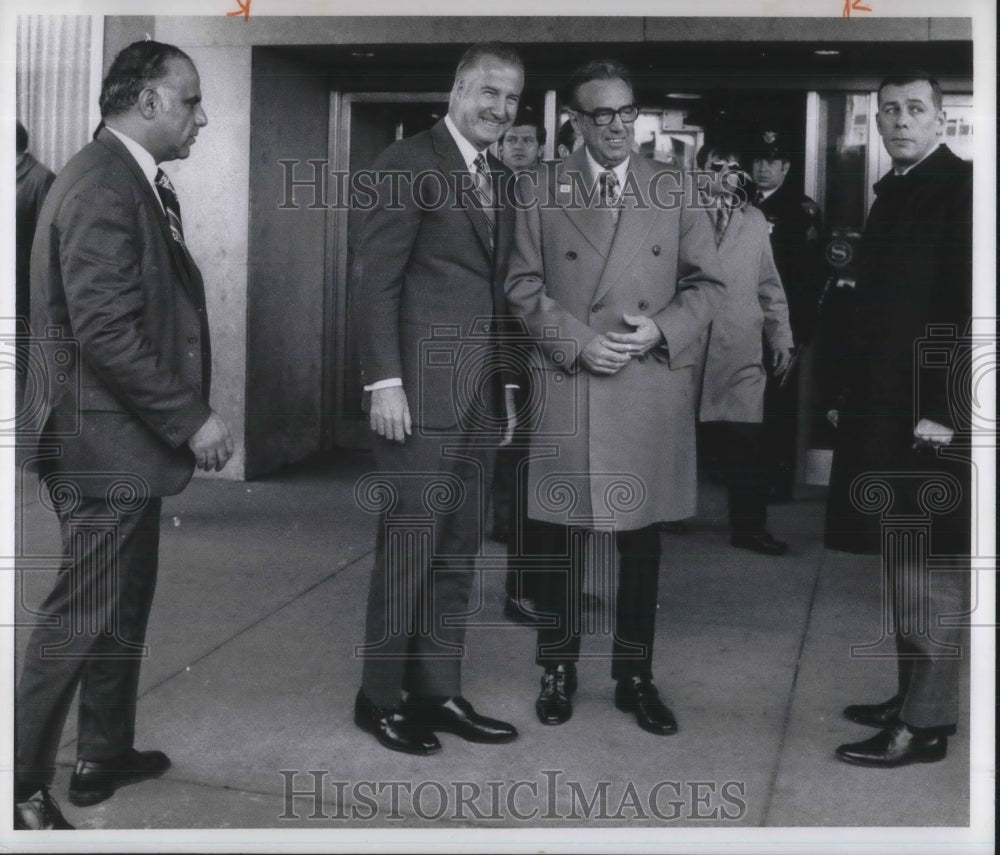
484 193
609 192
722 215
170 204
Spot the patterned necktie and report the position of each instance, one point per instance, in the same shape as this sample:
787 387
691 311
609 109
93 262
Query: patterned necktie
484 192
722 214
170 204
609 192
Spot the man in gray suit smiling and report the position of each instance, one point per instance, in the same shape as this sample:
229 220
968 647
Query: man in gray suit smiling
124 420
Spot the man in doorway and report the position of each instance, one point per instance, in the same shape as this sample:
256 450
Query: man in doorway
795 226
616 295
430 266
110 272
900 421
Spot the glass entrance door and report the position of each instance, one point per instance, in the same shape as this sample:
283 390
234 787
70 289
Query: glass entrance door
362 125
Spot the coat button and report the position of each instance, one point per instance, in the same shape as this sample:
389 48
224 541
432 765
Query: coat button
597 307
656 249
571 255
643 305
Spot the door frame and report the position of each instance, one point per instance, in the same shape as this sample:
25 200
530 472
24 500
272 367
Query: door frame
338 429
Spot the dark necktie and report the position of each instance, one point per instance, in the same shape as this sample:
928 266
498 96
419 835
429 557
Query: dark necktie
484 192
722 214
758 198
609 192
170 204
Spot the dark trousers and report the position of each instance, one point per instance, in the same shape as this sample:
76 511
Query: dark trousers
740 450
634 623
431 489
781 433
91 631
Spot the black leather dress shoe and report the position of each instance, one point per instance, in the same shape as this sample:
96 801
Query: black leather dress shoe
885 714
94 781
761 542
558 685
393 729
895 746
456 715
639 695
40 813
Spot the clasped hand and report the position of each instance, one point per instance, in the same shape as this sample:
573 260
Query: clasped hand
608 354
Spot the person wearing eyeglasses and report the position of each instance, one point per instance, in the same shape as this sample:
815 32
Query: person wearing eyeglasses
731 405
615 280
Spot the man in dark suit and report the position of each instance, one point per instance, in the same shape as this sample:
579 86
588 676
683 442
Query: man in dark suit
615 280
795 225
430 267
901 479
121 306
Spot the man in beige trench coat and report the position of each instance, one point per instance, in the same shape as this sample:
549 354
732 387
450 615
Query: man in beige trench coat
615 282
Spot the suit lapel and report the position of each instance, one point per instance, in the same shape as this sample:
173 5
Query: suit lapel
456 170
574 181
182 260
635 219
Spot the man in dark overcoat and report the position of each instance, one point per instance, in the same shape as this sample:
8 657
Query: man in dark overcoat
900 484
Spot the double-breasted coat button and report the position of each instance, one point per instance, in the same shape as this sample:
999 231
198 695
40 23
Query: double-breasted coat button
571 255
597 307
643 305
656 249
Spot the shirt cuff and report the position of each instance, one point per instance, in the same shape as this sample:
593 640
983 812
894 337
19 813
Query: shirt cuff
384 384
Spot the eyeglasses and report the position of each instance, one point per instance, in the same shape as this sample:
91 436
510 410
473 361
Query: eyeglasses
719 165
605 115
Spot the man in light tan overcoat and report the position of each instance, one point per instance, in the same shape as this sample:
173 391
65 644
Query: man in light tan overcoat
615 282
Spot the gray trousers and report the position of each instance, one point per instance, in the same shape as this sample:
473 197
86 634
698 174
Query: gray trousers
429 534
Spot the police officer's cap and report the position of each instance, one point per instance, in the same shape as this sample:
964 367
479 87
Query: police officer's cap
771 145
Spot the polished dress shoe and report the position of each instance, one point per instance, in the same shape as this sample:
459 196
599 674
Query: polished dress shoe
40 813
558 685
393 729
896 746
885 714
639 695
456 715
94 781
761 542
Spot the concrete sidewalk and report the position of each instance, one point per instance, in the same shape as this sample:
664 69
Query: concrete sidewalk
251 677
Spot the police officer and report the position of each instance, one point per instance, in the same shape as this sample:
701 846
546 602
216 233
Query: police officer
795 224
